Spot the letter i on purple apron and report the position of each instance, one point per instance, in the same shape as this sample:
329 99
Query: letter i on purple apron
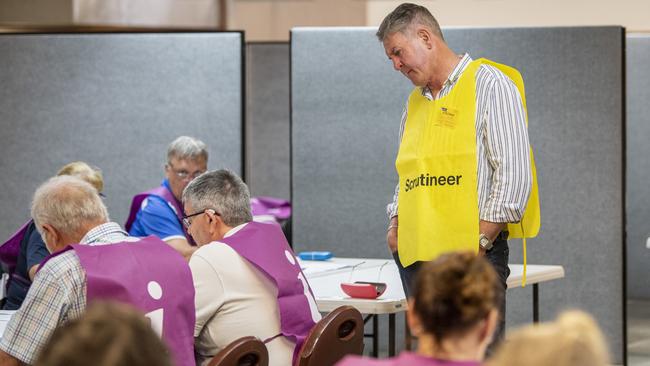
151 276
265 246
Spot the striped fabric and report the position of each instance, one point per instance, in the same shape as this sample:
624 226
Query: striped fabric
502 147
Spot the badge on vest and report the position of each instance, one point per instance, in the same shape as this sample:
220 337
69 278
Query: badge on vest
446 117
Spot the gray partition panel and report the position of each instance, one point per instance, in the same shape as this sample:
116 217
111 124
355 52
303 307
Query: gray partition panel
267 119
115 101
346 106
638 164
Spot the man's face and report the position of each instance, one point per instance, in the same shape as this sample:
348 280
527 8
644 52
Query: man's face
180 172
410 55
198 225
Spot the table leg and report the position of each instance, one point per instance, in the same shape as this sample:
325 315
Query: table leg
375 336
535 303
391 335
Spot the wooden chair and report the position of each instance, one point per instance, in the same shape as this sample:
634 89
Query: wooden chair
245 351
338 334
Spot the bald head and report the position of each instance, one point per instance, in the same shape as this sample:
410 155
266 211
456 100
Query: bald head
69 205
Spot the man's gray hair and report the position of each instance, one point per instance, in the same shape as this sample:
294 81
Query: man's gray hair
405 15
222 191
187 148
68 203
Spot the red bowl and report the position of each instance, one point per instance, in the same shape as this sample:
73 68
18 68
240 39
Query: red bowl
364 290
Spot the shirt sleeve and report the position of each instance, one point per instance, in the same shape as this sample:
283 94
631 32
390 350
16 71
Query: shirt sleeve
54 297
391 208
508 153
208 289
36 250
157 218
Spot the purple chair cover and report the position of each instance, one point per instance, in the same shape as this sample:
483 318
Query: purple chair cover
276 207
10 249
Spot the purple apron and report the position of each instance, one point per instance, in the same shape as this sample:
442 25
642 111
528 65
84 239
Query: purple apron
10 249
153 277
165 194
265 246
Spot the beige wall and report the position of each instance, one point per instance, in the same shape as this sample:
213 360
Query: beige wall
36 12
632 14
271 20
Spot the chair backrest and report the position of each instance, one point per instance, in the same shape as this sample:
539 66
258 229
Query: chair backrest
245 351
338 334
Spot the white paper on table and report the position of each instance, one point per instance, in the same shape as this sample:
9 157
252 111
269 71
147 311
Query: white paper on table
5 316
315 267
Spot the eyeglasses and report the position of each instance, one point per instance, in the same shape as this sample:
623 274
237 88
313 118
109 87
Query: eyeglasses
186 218
184 174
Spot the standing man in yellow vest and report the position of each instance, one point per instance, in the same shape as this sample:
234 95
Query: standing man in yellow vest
465 165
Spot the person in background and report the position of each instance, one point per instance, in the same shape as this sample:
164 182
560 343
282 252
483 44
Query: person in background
159 211
107 334
30 249
246 277
94 259
453 311
465 167
574 339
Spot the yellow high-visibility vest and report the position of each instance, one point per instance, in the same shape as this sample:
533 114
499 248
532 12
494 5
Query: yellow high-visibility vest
437 167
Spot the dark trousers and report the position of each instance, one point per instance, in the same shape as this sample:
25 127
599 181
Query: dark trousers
498 256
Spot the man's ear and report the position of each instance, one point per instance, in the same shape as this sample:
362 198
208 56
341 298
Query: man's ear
425 36
51 237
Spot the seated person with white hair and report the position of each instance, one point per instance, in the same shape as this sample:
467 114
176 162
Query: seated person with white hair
159 211
25 250
67 210
246 277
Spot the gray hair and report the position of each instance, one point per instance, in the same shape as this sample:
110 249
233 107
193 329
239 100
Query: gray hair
187 148
68 203
223 191
405 15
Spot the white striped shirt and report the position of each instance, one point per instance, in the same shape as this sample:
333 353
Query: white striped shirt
502 146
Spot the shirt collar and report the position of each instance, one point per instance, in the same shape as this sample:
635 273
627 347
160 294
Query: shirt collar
465 59
100 233
234 230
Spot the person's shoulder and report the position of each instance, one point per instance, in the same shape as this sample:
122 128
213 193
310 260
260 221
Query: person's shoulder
216 252
63 265
492 73
353 360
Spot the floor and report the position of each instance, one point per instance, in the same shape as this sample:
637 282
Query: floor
638 332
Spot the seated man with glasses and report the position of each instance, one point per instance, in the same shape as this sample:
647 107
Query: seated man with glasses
93 259
158 211
247 280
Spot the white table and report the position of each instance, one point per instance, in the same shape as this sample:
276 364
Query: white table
325 279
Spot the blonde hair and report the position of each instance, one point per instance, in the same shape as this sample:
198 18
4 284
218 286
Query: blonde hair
574 339
84 171
108 334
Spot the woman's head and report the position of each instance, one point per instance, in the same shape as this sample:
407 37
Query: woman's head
108 334
84 171
574 339
455 295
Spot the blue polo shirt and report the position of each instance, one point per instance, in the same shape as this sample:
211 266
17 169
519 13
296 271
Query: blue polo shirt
157 217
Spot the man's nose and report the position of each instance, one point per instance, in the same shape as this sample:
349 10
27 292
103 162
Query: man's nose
397 64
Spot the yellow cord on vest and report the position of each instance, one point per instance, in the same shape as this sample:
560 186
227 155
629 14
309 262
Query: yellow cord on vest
523 240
